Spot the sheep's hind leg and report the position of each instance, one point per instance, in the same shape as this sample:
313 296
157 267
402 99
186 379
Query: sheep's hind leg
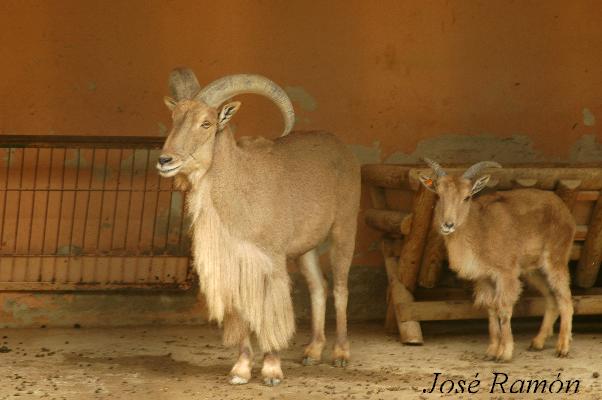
310 267
341 253
538 281
271 370
561 291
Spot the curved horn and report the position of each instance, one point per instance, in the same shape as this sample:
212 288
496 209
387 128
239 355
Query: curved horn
215 93
435 167
475 169
183 84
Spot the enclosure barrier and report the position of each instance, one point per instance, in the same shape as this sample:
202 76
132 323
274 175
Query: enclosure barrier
89 213
414 252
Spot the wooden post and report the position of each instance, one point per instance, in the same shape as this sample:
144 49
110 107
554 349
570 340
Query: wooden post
432 260
591 253
567 191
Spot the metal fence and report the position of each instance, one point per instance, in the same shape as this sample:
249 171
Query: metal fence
89 213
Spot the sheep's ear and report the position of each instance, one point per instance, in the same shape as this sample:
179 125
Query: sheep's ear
226 113
428 183
480 184
169 102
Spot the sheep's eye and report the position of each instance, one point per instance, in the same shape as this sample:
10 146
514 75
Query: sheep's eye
466 198
206 124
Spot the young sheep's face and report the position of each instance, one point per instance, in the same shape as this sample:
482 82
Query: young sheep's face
189 146
455 195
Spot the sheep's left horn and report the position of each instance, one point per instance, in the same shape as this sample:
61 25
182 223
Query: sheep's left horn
475 169
217 92
436 167
183 84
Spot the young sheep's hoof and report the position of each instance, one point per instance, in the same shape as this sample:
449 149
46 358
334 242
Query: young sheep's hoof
237 380
562 353
271 381
309 361
340 362
534 347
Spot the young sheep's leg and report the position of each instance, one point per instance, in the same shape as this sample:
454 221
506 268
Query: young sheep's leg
484 296
538 281
559 283
310 268
237 331
507 291
494 335
341 254
271 370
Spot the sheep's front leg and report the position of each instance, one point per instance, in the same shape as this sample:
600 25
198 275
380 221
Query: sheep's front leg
236 331
241 371
507 291
271 371
494 335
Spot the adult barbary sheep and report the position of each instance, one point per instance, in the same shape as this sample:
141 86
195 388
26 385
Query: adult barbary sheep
500 237
255 203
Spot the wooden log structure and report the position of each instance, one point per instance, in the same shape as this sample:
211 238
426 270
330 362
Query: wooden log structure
414 252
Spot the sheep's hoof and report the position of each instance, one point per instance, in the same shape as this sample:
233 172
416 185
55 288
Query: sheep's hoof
533 347
237 380
271 381
340 362
562 354
309 361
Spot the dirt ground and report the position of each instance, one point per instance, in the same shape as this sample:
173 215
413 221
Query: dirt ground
179 363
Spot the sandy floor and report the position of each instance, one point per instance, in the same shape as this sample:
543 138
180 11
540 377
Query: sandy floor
179 363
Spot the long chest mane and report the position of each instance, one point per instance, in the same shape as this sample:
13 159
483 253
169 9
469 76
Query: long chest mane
462 257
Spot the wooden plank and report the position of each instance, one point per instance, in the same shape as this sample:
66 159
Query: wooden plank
72 141
386 175
547 178
413 244
464 309
567 190
401 299
432 259
390 221
588 195
591 254
377 195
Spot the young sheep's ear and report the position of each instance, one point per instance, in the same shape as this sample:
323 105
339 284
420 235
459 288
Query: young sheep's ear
226 113
169 102
480 184
428 183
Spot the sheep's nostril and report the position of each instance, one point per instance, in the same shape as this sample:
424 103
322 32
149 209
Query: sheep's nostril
164 160
448 225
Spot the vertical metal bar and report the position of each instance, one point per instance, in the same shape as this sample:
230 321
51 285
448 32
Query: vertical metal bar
5 196
43 246
115 202
75 191
33 202
182 218
58 222
102 196
85 228
155 215
17 216
143 201
127 220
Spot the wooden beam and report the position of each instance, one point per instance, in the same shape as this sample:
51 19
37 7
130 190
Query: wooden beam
547 178
464 309
432 259
567 190
386 175
591 253
390 221
413 244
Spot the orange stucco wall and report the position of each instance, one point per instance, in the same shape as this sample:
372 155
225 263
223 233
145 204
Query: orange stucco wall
458 80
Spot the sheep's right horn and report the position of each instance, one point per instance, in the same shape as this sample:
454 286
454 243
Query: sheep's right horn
438 169
183 84
217 92
475 169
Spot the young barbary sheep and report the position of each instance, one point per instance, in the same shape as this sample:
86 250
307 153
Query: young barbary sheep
255 203
496 239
